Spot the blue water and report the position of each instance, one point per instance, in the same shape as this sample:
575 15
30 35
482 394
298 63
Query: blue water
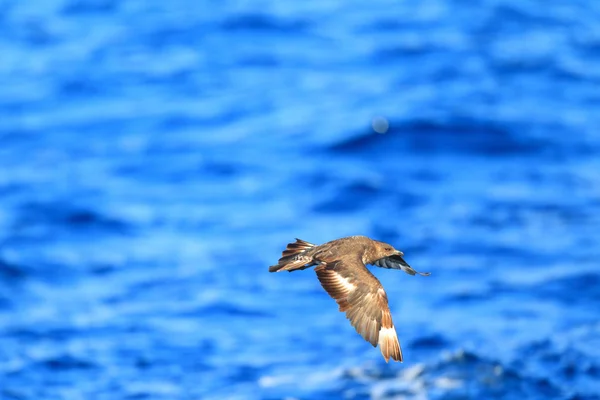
156 157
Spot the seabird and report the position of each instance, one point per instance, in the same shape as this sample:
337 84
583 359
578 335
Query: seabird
341 269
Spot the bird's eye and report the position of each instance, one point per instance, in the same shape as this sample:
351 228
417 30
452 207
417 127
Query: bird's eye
388 249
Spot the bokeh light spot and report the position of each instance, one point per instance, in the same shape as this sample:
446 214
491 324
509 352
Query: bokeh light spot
380 124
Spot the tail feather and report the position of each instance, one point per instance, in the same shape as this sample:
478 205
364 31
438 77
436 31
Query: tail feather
291 258
294 248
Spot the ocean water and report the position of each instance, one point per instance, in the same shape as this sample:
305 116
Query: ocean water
156 157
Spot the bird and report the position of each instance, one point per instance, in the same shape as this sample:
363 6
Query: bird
341 269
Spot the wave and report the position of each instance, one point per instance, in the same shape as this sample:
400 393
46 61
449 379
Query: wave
449 136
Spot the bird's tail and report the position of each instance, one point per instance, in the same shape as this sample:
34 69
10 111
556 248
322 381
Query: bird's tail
292 257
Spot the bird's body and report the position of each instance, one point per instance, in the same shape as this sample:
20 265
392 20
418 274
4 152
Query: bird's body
341 269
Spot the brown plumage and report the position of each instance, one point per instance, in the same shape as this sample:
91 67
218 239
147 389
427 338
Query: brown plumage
341 269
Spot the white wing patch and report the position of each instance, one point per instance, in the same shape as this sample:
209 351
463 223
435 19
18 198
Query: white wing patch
386 334
388 344
344 282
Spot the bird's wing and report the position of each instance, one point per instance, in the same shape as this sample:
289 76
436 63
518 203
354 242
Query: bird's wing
397 262
360 295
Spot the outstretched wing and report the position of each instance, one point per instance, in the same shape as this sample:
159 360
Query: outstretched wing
397 262
360 295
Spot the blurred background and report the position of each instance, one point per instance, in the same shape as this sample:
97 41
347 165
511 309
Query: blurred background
156 157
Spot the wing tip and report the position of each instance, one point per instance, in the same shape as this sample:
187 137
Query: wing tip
389 344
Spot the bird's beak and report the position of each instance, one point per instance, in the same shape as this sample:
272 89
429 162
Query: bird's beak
399 253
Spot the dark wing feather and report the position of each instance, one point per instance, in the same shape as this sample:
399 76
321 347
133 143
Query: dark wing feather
360 295
397 262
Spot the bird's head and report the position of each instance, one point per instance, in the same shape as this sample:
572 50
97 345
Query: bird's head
381 250
385 256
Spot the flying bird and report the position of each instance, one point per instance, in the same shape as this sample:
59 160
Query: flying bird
341 269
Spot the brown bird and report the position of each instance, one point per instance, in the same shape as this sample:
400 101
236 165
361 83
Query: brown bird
341 269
